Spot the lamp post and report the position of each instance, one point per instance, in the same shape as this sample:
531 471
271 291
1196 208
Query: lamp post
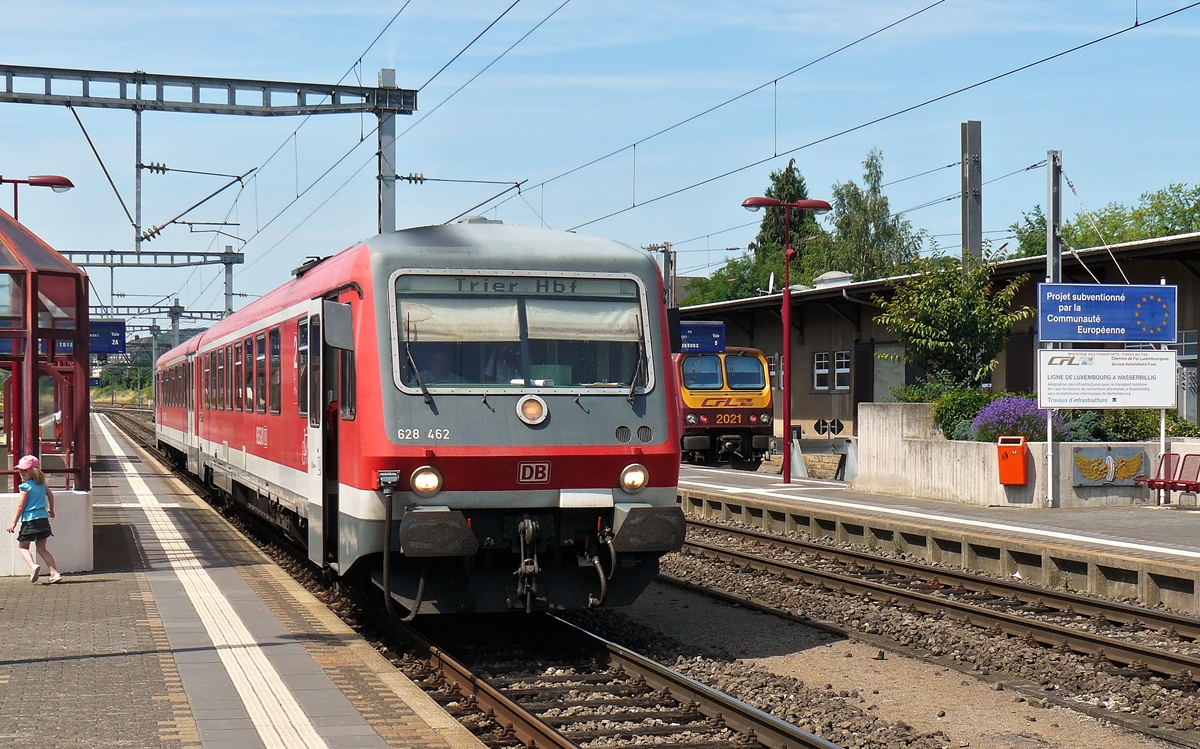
53 181
812 206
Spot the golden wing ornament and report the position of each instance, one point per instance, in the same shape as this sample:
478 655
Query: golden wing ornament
1091 468
1127 468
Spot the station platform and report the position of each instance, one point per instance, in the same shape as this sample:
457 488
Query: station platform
1144 552
186 635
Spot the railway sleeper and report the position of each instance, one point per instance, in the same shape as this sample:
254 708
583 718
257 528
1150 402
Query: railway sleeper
672 716
635 729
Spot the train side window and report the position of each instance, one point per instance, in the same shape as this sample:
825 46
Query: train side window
276 379
349 392
302 366
248 382
220 379
228 381
314 371
207 384
260 373
237 377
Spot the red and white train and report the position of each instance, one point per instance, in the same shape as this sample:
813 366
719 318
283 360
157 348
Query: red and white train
475 417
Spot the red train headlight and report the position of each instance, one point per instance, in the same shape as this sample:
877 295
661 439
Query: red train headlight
634 478
753 418
703 418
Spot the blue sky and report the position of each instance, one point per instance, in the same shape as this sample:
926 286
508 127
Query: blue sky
596 78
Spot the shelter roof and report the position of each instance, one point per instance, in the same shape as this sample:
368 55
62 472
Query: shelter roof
21 250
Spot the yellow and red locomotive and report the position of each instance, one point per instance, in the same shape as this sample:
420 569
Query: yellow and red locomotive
725 404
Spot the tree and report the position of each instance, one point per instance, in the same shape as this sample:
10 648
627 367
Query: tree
747 275
1175 209
949 319
869 241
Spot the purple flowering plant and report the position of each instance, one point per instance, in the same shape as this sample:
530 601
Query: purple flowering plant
1015 416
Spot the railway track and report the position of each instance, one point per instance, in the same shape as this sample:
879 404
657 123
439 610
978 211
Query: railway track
1010 608
549 683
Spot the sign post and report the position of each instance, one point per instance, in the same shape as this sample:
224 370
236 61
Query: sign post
1107 378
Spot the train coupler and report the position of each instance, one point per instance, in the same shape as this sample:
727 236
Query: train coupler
528 569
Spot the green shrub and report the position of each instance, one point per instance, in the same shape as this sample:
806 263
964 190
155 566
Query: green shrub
962 431
958 405
1129 425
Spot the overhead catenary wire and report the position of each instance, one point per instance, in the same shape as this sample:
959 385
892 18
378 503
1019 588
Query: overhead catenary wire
111 184
744 94
1092 221
885 117
469 45
921 174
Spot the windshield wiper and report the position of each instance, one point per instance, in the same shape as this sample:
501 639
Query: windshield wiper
417 373
639 369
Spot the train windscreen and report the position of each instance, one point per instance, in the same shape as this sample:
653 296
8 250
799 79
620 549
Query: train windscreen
508 332
702 372
744 372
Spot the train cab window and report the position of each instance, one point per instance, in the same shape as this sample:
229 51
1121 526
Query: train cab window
554 332
248 383
260 373
348 392
701 372
237 377
302 366
276 373
744 372
314 371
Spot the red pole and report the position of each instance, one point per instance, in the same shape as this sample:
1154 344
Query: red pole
787 347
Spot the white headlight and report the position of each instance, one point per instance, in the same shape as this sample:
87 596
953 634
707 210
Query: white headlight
426 481
690 419
634 478
532 410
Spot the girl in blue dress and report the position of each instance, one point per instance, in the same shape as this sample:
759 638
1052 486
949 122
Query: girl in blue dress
34 511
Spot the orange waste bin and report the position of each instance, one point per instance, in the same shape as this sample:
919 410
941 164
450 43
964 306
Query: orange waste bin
1013 459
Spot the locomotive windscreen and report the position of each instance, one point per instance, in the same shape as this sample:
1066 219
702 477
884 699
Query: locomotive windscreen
504 331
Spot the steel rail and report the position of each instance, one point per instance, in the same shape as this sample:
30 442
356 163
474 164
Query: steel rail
1113 611
769 730
1157 661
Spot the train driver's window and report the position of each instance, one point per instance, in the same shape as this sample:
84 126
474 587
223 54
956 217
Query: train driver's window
302 366
701 372
260 373
276 373
744 372
348 392
314 371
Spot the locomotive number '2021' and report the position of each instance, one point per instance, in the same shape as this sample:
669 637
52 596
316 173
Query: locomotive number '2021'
415 434
729 419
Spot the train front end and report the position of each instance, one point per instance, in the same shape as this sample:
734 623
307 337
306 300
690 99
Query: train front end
726 407
532 447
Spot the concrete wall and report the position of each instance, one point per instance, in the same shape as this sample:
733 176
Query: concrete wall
902 452
71 543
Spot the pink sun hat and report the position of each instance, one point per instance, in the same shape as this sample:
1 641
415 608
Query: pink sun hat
29 461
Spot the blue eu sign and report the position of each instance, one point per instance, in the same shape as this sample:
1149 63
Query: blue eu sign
107 336
702 337
1104 313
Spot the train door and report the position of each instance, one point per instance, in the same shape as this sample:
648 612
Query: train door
329 329
192 438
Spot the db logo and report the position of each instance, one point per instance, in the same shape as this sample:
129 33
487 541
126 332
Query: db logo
533 473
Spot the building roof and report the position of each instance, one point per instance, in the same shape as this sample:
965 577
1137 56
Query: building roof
1075 269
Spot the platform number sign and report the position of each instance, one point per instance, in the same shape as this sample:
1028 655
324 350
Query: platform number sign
106 336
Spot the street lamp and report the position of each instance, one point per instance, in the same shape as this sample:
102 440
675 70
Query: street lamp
53 181
812 206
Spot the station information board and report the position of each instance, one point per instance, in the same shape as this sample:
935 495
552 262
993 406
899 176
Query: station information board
702 337
106 336
1106 313
1107 378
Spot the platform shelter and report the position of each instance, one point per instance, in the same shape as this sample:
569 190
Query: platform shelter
43 359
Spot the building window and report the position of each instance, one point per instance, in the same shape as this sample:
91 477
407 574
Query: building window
1185 345
821 371
841 370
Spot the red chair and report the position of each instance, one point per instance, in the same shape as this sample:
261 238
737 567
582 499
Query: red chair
1189 475
1168 467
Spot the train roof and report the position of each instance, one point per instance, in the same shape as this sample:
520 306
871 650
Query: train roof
469 244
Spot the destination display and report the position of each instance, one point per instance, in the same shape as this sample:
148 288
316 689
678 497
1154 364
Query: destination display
1110 378
1103 313
702 337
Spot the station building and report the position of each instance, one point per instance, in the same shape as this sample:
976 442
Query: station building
839 354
